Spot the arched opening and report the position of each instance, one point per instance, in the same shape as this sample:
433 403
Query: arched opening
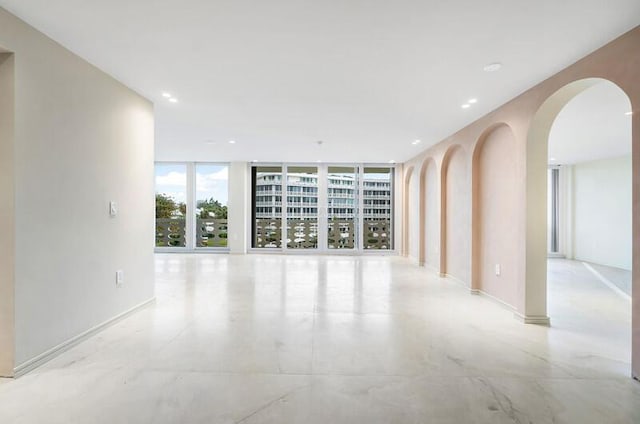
429 215
455 213
406 216
494 240
579 214
7 223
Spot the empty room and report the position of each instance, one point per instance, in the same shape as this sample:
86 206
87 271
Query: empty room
319 212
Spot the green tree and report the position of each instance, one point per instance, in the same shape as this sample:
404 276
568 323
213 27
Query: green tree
212 208
165 206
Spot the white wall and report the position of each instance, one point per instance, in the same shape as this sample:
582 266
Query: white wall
237 207
602 212
81 140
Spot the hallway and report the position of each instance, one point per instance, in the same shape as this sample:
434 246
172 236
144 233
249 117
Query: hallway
339 339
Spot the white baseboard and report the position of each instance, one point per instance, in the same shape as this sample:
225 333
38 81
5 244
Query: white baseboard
533 319
499 301
430 267
454 279
44 357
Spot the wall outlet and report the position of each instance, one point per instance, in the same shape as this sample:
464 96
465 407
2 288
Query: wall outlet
119 278
498 270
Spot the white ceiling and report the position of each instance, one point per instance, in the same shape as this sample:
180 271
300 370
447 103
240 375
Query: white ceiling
366 77
593 125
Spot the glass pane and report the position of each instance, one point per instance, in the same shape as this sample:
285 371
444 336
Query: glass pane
171 205
342 207
302 207
377 208
267 206
212 192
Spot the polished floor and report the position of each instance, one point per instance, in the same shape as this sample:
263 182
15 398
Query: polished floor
309 339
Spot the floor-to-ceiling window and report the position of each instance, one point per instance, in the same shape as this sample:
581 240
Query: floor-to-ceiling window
342 207
302 207
324 207
266 182
191 205
377 213
171 205
553 210
212 182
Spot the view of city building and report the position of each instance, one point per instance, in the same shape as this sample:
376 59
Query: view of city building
342 207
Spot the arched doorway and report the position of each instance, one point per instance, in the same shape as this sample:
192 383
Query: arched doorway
538 240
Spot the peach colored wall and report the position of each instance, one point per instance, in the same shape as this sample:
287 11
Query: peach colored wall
414 217
406 207
431 219
618 62
456 206
495 218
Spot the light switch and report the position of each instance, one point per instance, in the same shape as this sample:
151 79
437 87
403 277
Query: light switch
119 278
498 269
113 208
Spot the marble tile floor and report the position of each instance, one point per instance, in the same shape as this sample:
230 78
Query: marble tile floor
327 339
620 278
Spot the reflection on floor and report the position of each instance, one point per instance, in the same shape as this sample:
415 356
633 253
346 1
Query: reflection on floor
621 278
309 339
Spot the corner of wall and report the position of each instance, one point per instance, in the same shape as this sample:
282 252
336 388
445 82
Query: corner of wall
7 216
238 207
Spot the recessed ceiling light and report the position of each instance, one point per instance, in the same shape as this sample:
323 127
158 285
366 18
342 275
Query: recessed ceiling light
232 142
628 113
166 95
492 67
416 142
466 106
552 159
173 100
472 101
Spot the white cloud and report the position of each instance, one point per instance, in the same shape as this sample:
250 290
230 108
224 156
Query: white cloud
213 184
208 185
172 179
173 184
